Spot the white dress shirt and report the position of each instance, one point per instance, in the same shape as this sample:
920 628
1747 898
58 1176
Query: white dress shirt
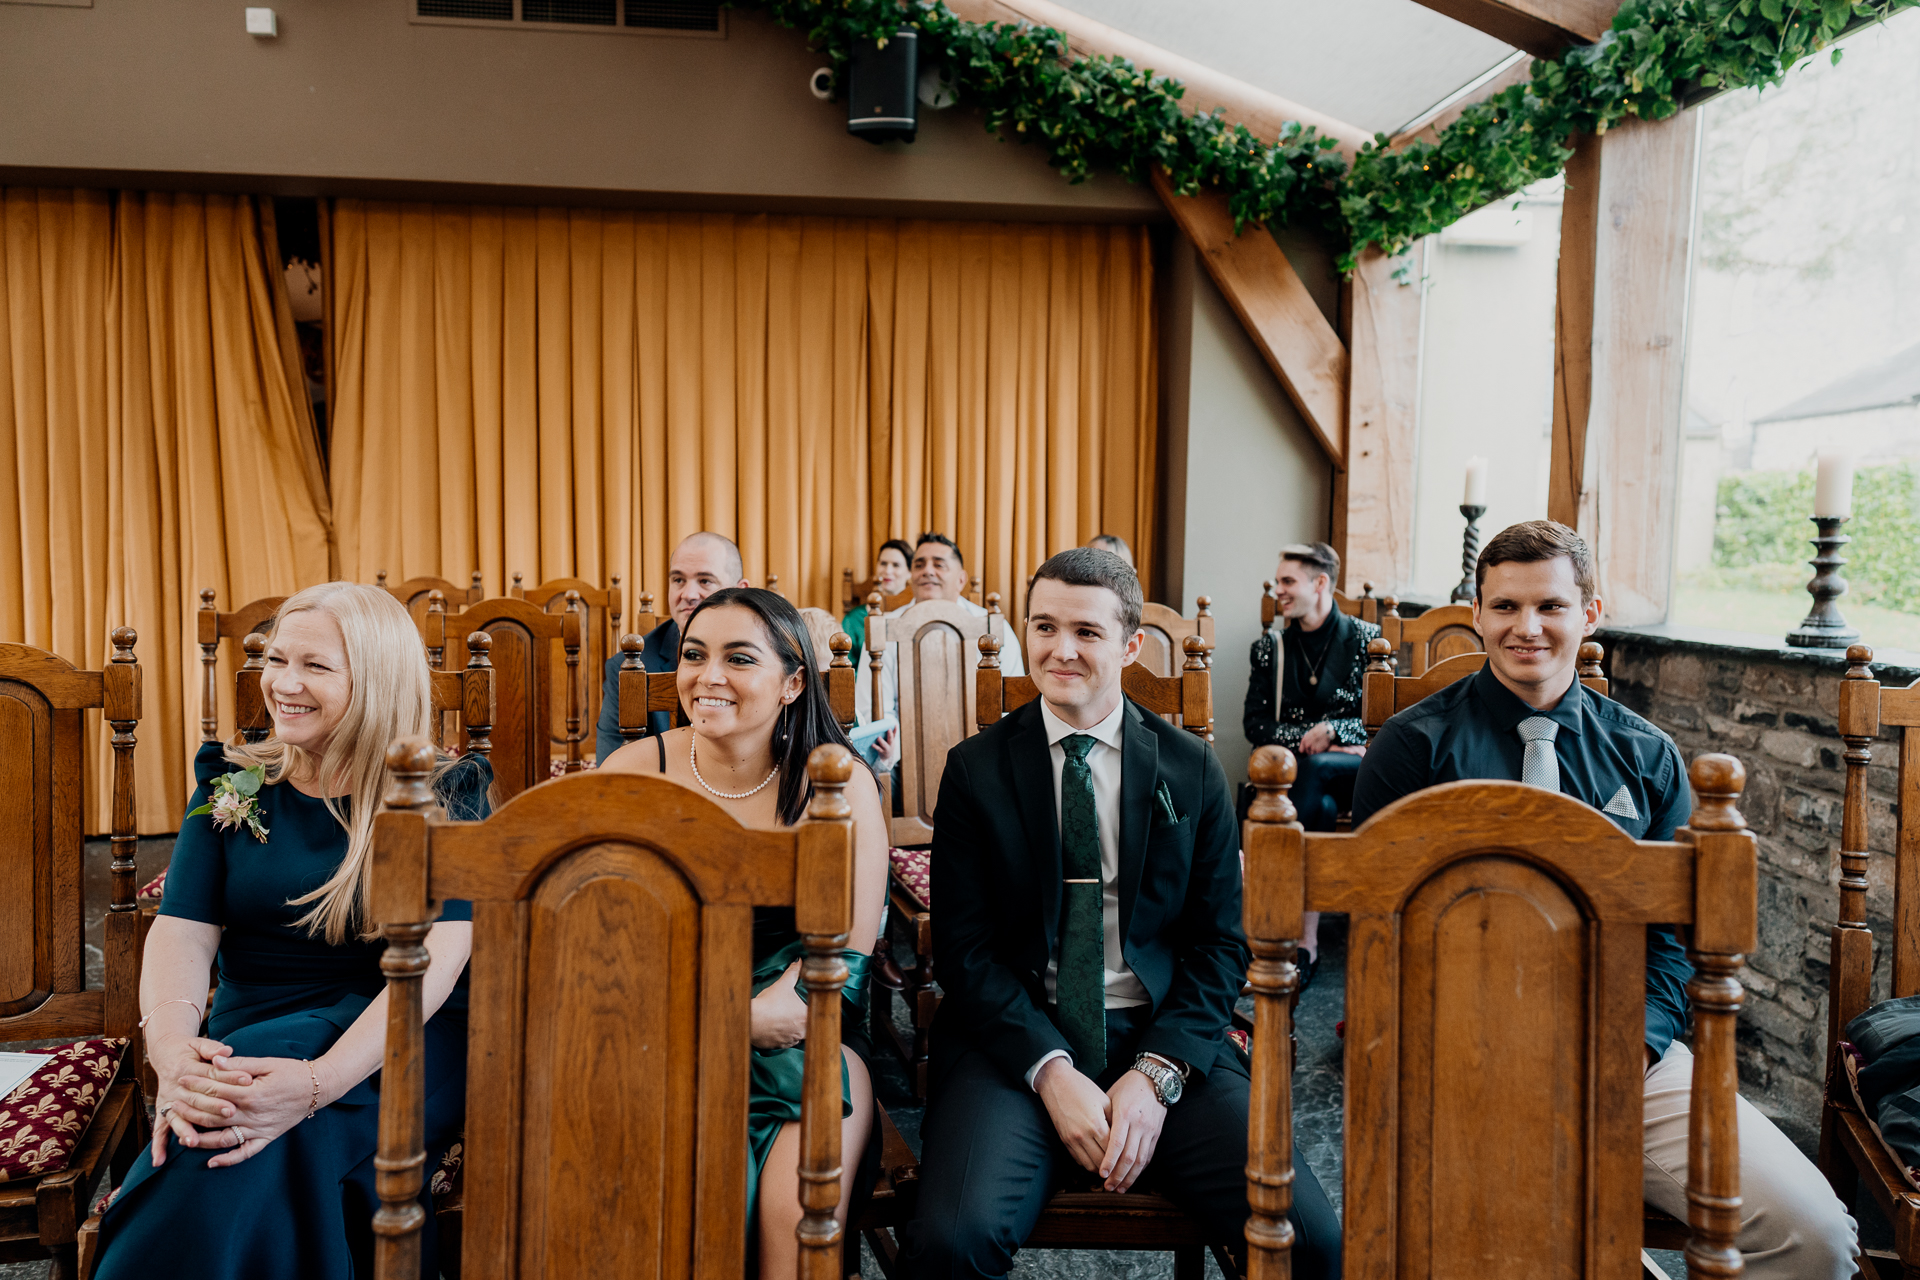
1010 664
1123 989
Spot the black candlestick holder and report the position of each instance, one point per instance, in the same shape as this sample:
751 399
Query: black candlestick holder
1469 553
1824 627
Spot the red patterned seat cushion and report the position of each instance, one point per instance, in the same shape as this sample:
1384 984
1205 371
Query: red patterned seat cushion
44 1118
912 872
152 891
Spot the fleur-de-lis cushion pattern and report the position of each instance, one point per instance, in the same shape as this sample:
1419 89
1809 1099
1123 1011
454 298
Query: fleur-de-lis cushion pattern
913 868
447 1176
44 1118
152 891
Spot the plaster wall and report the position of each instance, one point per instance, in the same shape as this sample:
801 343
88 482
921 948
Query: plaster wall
353 99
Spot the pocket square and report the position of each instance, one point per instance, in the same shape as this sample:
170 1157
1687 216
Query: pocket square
1622 804
1164 816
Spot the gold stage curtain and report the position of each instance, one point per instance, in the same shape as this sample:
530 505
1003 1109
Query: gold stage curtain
569 392
149 444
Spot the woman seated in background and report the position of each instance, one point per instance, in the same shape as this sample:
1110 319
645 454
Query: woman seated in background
890 570
261 1164
750 682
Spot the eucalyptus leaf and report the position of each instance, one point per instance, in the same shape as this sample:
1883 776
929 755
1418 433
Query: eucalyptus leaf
246 781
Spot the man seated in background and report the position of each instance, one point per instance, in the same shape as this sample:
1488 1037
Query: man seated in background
938 573
1115 543
701 565
1525 717
1304 694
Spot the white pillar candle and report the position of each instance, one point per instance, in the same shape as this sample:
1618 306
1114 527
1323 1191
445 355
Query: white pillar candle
1476 482
1833 484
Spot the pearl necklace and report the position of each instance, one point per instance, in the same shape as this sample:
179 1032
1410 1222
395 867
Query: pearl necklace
695 765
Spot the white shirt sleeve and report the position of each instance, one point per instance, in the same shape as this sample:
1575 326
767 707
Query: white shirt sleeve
1033 1072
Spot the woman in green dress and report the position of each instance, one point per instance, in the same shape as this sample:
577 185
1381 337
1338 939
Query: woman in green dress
751 686
267 1120
890 569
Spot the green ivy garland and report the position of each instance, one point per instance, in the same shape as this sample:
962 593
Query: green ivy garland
1106 113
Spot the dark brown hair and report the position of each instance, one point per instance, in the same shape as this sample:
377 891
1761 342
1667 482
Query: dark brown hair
1092 567
1317 556
1532 541
943 540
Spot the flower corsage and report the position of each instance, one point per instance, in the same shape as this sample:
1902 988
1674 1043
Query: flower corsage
236 801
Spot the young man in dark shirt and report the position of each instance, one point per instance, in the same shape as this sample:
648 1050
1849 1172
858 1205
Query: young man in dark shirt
1526 717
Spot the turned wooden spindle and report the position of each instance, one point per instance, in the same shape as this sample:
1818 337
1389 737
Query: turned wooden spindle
773 585
841 645
614 603
646 602
120 708
380 579
476 695
1851 946
1274 900
989 682
434 629
250 714
1726 891
1196 690
402 1157
876 643
1589 656
571 634
209 658
823 913
476 591
1376 683
518 590
633 689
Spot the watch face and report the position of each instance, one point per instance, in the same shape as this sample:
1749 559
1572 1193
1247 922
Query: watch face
1171 1086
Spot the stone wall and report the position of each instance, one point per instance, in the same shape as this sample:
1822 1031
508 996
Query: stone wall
1774 709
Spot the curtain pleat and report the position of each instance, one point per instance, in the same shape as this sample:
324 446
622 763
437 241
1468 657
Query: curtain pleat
151 445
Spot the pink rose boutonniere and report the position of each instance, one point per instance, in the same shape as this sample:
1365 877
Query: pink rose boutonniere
236 801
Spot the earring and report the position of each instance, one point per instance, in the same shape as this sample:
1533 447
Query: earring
782 734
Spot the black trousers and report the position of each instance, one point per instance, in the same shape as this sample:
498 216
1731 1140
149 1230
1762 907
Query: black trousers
990 1160
1323 787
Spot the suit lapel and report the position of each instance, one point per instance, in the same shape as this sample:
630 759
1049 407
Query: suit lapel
1033 787
1337 668
1139 771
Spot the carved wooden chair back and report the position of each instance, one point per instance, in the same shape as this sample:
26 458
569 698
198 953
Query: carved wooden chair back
1443 632
413 593
644 692
527 668
1850 1149
1185 699
1164 653
933 643
44 702
1492 913
612 926
1384 695
1365 606
599 640
852 594
215 627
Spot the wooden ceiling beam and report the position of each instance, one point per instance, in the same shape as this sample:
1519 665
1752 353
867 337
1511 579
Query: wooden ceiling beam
1426 128
1266 114
1273 304
1543 28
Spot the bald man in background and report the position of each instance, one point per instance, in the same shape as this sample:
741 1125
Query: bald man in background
702 564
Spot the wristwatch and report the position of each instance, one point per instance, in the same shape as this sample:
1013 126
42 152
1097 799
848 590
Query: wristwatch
1166 1081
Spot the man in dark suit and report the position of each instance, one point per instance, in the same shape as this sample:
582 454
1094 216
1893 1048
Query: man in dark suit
1090 947
701 565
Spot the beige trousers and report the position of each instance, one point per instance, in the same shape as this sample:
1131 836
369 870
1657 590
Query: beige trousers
1792 1226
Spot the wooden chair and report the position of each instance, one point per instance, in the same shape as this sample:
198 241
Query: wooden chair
644 692
1443 632
1494 914
1365 606
1384 694
599 636
214 628
44 702
1163 653
413 593
1186 698
526 673
1850 1151
612 927
933 642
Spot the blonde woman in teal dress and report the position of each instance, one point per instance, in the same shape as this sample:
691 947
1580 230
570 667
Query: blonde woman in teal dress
749 679
261 1164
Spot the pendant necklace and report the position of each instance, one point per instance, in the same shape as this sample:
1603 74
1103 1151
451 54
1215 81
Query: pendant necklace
724 795
1313 668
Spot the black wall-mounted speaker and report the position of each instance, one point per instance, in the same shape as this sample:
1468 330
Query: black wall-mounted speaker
881 85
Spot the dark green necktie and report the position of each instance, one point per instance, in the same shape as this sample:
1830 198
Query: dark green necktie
1080 986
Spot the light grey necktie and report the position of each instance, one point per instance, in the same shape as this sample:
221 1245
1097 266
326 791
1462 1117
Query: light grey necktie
1539 767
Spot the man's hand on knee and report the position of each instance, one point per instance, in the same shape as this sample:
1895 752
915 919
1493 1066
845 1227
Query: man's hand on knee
1078 1110
1316 739
1138 1115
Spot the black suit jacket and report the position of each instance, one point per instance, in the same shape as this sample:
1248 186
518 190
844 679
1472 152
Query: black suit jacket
997 874
661 652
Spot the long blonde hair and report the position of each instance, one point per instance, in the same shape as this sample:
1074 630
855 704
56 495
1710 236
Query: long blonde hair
391 697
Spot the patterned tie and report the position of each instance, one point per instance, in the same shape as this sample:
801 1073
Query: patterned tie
1540 767
1080 985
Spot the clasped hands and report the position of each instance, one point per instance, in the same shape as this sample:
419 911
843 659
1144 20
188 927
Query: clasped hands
1111 1133
242 1103
1320 738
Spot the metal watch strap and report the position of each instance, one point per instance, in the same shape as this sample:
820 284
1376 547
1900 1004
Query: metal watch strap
1159 1073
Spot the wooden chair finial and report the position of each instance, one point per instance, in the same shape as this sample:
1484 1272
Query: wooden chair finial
989 651
829 769
773 585
842 646
1389 607
1590 655
630 647
646 602
255 645
1272 771
1203 606
876 603
518 588
380 579
410 760
479 649
124 638
1379 656
1717 782
1366 590
1859 662
475 582
1196 650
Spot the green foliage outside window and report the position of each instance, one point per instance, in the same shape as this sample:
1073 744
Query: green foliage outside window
1762 536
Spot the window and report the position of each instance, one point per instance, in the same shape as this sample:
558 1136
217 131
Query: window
631 17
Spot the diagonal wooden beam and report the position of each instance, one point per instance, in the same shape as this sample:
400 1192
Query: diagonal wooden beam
1544 28
1273 304
1427 127
1263 112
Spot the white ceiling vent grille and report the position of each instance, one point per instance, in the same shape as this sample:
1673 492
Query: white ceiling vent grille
627 17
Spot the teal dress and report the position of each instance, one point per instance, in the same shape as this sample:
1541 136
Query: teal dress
855 625
303 1206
